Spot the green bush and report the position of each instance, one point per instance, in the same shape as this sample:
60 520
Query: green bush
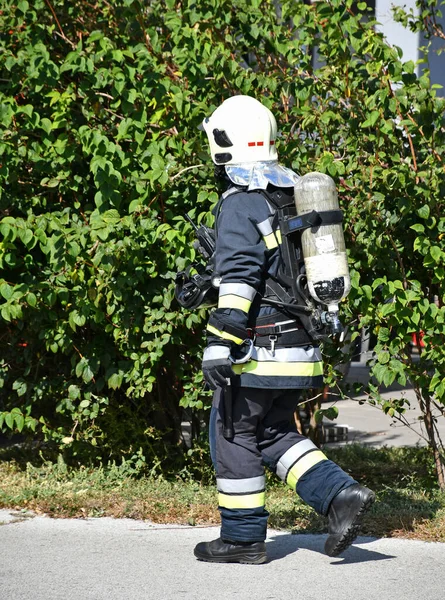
101 157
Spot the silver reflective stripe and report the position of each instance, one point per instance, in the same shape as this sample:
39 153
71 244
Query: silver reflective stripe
241 486
237 289
298 354
229 192
291 456
265 227
272 209
216 352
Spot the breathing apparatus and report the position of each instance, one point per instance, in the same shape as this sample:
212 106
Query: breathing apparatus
323 246
316 275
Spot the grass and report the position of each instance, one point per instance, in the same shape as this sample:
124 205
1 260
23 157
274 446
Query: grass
409 503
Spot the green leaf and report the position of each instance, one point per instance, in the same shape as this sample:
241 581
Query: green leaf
318 416
19 421
436 253
388 308
115 381
31 423
383 357
72 322
87 374
367 291
23 6
379 371
79 319
415 318
388 379
371 120
80 367
157 163
383 334
20 386
424 211
73 392
134 205
31 299
46 125
6 291
331 413
9 420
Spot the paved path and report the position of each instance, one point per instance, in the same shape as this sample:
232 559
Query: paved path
106 559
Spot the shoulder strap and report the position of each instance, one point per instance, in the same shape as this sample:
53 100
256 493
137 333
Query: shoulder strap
279 198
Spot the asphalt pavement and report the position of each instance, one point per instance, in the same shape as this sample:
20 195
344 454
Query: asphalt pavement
107 559
123 559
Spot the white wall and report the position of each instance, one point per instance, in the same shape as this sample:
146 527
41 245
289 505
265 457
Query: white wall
410 42
395 33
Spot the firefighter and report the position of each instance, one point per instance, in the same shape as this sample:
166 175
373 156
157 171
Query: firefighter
259 355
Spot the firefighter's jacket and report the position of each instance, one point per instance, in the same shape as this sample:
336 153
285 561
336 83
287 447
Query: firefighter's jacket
247 257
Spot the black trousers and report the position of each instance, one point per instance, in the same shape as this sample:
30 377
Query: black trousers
265 435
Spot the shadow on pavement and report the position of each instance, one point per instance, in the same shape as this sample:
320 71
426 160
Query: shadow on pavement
282 545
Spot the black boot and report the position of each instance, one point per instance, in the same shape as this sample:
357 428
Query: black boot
345 517
231 552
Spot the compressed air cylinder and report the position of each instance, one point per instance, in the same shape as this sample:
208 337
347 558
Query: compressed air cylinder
323 247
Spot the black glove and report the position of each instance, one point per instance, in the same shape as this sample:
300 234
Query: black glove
216 366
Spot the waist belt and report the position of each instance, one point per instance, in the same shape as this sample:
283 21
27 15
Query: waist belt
281 334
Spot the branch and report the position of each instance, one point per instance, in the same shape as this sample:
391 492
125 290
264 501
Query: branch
114 114
63 36
184 170
423 135
104 95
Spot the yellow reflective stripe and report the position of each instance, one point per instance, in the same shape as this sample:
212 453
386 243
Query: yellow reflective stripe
224 335
292 455
271 241
303 465
271 238
286 369
242 501
233 301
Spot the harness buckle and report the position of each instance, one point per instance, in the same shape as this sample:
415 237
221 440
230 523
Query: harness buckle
273 339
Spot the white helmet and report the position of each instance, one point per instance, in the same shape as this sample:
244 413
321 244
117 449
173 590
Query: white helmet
241 130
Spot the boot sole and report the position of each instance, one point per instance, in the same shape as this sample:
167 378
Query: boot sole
252 559
353 530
